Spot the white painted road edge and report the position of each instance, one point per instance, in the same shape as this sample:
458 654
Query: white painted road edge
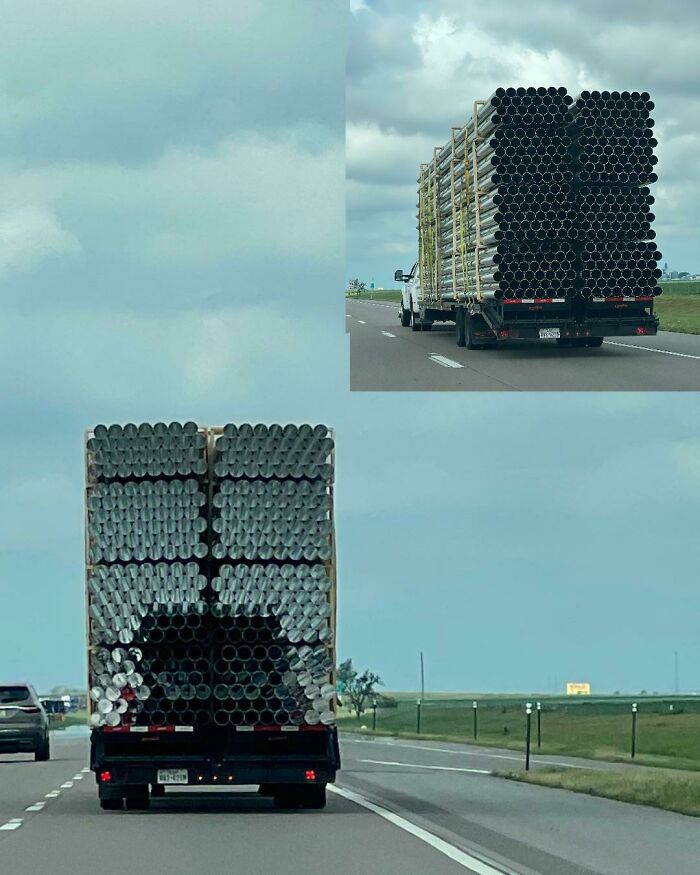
682 355
445 362
473 864
470 753
423 766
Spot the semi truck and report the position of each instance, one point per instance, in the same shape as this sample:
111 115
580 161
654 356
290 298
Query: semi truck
211 610
519 239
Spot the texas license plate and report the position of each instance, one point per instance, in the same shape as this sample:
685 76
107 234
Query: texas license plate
172 776
546 333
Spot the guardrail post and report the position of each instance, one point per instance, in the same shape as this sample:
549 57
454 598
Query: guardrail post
475 708
634 729
528 712
418 707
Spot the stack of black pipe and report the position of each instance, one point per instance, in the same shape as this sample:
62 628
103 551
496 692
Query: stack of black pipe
614 162
529 218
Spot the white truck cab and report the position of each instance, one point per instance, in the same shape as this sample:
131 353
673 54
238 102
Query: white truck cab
409 311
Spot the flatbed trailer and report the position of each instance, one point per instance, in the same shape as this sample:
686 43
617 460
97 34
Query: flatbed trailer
291 765
569 321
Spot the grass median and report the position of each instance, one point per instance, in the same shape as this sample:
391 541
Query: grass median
672 791
392 296
667 729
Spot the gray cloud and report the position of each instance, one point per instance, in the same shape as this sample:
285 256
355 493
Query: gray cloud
415 70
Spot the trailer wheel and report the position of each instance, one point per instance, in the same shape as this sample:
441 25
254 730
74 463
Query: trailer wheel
112 804
594 342
459 327
137 798
405 317
468 331
288 797
314 797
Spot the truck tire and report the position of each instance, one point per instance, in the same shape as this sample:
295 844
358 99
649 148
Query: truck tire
405 317
594 342
112 804
416 324
157 791
288 796
43 753
314 797
137 798
468 332
459 327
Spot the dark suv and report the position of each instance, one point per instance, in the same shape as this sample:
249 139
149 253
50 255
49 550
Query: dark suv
24 725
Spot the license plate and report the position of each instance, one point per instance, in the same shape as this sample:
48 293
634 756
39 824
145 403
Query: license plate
172 776
549 333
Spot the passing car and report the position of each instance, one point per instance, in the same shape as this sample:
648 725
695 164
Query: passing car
24 724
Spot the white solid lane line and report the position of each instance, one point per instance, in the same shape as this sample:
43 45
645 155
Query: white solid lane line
422 766
470 753
388 334
15 823
473 864
445 362
683 355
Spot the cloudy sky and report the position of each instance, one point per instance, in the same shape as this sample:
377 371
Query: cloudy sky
172 245
415 68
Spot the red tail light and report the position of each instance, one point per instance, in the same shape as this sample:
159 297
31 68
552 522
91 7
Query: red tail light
641 330
503 332
310 775
105 777
30 709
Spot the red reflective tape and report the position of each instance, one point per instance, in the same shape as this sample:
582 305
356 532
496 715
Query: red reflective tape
161 729
313 728
614 299
116 728
267 728
513 301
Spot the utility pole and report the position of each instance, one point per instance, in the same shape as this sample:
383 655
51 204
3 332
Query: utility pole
422 678
677 677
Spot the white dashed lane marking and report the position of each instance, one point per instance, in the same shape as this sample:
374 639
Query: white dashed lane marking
15 823
361 322
388 334
445 362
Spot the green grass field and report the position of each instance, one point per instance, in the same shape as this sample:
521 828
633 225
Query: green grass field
77 718
597 728
390 295
672 791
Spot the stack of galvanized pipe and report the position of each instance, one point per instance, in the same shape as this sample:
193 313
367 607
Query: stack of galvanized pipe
275 524
208 611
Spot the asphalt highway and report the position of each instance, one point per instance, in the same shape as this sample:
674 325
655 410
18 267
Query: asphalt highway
386 357
399 806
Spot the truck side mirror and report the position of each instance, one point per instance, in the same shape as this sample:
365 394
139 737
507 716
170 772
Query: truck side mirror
398 276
